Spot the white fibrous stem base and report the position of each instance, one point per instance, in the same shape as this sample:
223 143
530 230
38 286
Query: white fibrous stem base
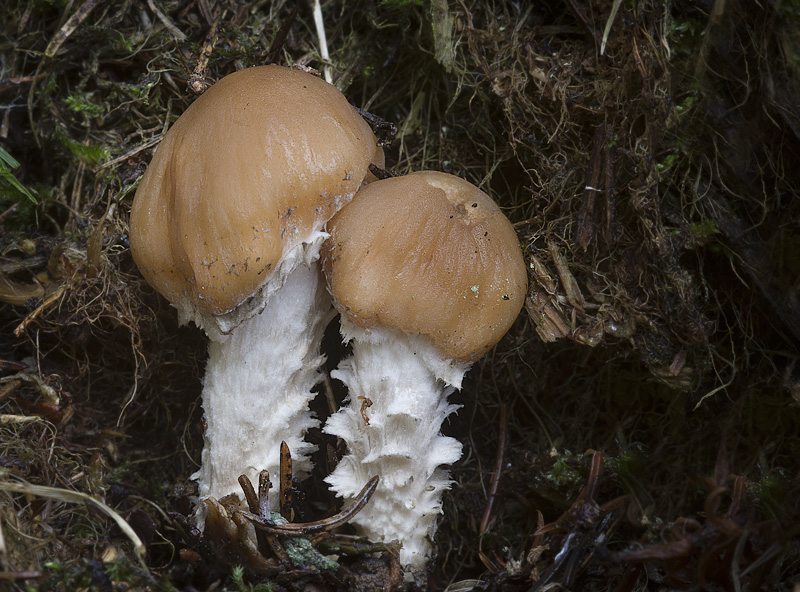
258 385
407 382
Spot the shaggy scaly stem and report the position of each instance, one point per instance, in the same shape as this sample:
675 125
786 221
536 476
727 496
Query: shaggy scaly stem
258 385
407 382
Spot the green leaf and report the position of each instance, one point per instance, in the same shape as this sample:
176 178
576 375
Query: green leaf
7 164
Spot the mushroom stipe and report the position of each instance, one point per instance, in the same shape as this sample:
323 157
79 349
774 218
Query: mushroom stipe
209 230
428 275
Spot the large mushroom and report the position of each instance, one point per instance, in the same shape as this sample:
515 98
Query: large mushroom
226 224
428 276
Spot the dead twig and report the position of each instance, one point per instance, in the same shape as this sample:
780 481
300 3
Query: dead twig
309 528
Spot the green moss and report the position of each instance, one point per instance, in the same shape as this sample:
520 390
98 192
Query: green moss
82 104
685 36
91 154
237 575
705 229
562 473
771 492
629 464
90 574
667 162
686 104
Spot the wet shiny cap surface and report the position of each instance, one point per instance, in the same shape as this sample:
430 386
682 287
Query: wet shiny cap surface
427 253
253 167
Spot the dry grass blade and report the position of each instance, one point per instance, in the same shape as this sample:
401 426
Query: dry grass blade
76 497
69 27
609 24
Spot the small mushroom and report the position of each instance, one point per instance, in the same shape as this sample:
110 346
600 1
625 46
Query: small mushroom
226 224
428 276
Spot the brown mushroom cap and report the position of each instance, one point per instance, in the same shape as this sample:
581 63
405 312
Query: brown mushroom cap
252 168
427 253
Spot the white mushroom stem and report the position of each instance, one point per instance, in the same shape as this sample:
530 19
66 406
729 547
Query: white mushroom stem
258 385
407 382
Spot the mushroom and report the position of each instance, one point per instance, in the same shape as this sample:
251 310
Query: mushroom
428 276
226 224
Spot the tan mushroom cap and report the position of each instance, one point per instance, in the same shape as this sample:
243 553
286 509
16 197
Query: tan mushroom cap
254 166
427 253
